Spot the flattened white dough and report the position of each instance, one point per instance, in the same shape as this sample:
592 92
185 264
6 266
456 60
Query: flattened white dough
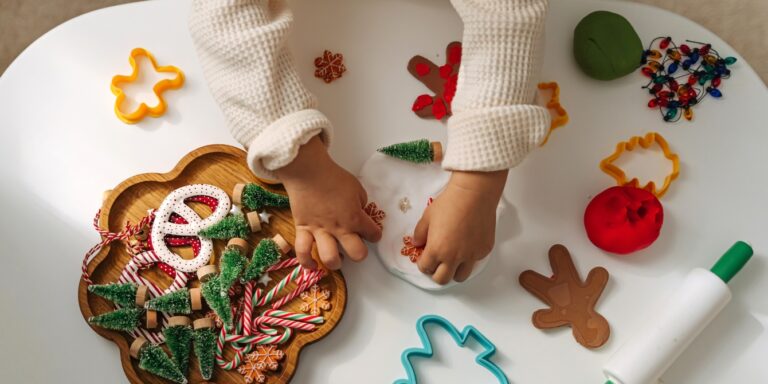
387 181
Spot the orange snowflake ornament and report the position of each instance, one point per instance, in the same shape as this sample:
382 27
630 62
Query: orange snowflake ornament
251 373
315 300
329 66
266 357
376 214
413 252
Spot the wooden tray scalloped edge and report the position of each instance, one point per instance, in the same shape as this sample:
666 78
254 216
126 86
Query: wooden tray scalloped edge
293 348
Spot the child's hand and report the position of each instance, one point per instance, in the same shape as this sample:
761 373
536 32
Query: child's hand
459 226
327 206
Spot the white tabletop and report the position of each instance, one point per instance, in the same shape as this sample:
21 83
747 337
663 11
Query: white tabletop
61 146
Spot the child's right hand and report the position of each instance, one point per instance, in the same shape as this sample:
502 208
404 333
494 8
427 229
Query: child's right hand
327 206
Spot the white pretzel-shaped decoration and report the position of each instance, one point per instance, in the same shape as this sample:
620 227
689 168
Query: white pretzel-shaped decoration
174 203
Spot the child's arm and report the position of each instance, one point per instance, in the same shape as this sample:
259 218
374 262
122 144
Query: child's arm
242 48
493 127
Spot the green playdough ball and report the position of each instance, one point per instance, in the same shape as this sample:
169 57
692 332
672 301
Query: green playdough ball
606 46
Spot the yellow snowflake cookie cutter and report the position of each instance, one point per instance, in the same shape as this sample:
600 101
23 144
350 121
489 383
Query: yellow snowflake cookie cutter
561 115
606 165
161 86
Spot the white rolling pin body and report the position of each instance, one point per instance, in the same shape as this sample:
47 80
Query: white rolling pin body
669 331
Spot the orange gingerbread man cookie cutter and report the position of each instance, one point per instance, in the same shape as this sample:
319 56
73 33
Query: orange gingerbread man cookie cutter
645 142
161 86
560 115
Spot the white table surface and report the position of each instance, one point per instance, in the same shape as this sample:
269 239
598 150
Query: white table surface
61 146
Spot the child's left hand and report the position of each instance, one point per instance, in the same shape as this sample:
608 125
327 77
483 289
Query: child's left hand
459 227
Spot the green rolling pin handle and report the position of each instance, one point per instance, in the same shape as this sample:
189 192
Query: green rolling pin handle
732 261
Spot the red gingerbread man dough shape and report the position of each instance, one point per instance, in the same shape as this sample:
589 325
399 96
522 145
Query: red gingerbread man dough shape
440 80
571 301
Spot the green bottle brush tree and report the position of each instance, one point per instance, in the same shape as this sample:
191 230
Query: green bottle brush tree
211 290
124 295
177 302
178 338
232 265
204 340
267 253
419 151
154 360
236 225
124 319
254 197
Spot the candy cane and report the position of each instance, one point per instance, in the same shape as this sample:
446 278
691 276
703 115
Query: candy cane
248 307
260 338
239 351
283 264
286 323
269 296
294 316
266 329
311 280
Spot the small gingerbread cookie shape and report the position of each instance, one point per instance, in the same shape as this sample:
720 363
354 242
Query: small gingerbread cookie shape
441 80
571 301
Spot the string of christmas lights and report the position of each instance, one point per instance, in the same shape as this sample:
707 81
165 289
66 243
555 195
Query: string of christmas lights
682 76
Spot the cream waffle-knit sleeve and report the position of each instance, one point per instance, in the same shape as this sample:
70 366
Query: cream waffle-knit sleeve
242 46
494 123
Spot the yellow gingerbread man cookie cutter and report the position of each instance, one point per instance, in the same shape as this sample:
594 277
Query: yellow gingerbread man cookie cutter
560 114
161 86
607 166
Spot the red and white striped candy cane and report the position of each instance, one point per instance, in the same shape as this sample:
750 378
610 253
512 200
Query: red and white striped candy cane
267 329
239 353
247 307
280 286
307 282
260 338
313 319
290 262
286 323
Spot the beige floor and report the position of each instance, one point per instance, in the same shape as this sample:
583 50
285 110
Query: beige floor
742 23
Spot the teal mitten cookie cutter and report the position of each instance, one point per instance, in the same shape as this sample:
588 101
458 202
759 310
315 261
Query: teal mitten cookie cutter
461 338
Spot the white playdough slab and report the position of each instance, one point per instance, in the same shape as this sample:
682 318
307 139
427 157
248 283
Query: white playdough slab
61 146
388 181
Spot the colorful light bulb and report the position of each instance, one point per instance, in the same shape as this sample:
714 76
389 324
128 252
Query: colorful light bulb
665 42
688 114
714 92
672 68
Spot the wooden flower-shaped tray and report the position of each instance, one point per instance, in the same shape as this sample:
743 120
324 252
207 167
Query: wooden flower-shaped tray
222 166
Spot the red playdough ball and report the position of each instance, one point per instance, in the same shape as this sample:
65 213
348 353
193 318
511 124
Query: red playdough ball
623 220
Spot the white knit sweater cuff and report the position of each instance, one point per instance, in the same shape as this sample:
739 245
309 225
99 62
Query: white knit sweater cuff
492 139
278 144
